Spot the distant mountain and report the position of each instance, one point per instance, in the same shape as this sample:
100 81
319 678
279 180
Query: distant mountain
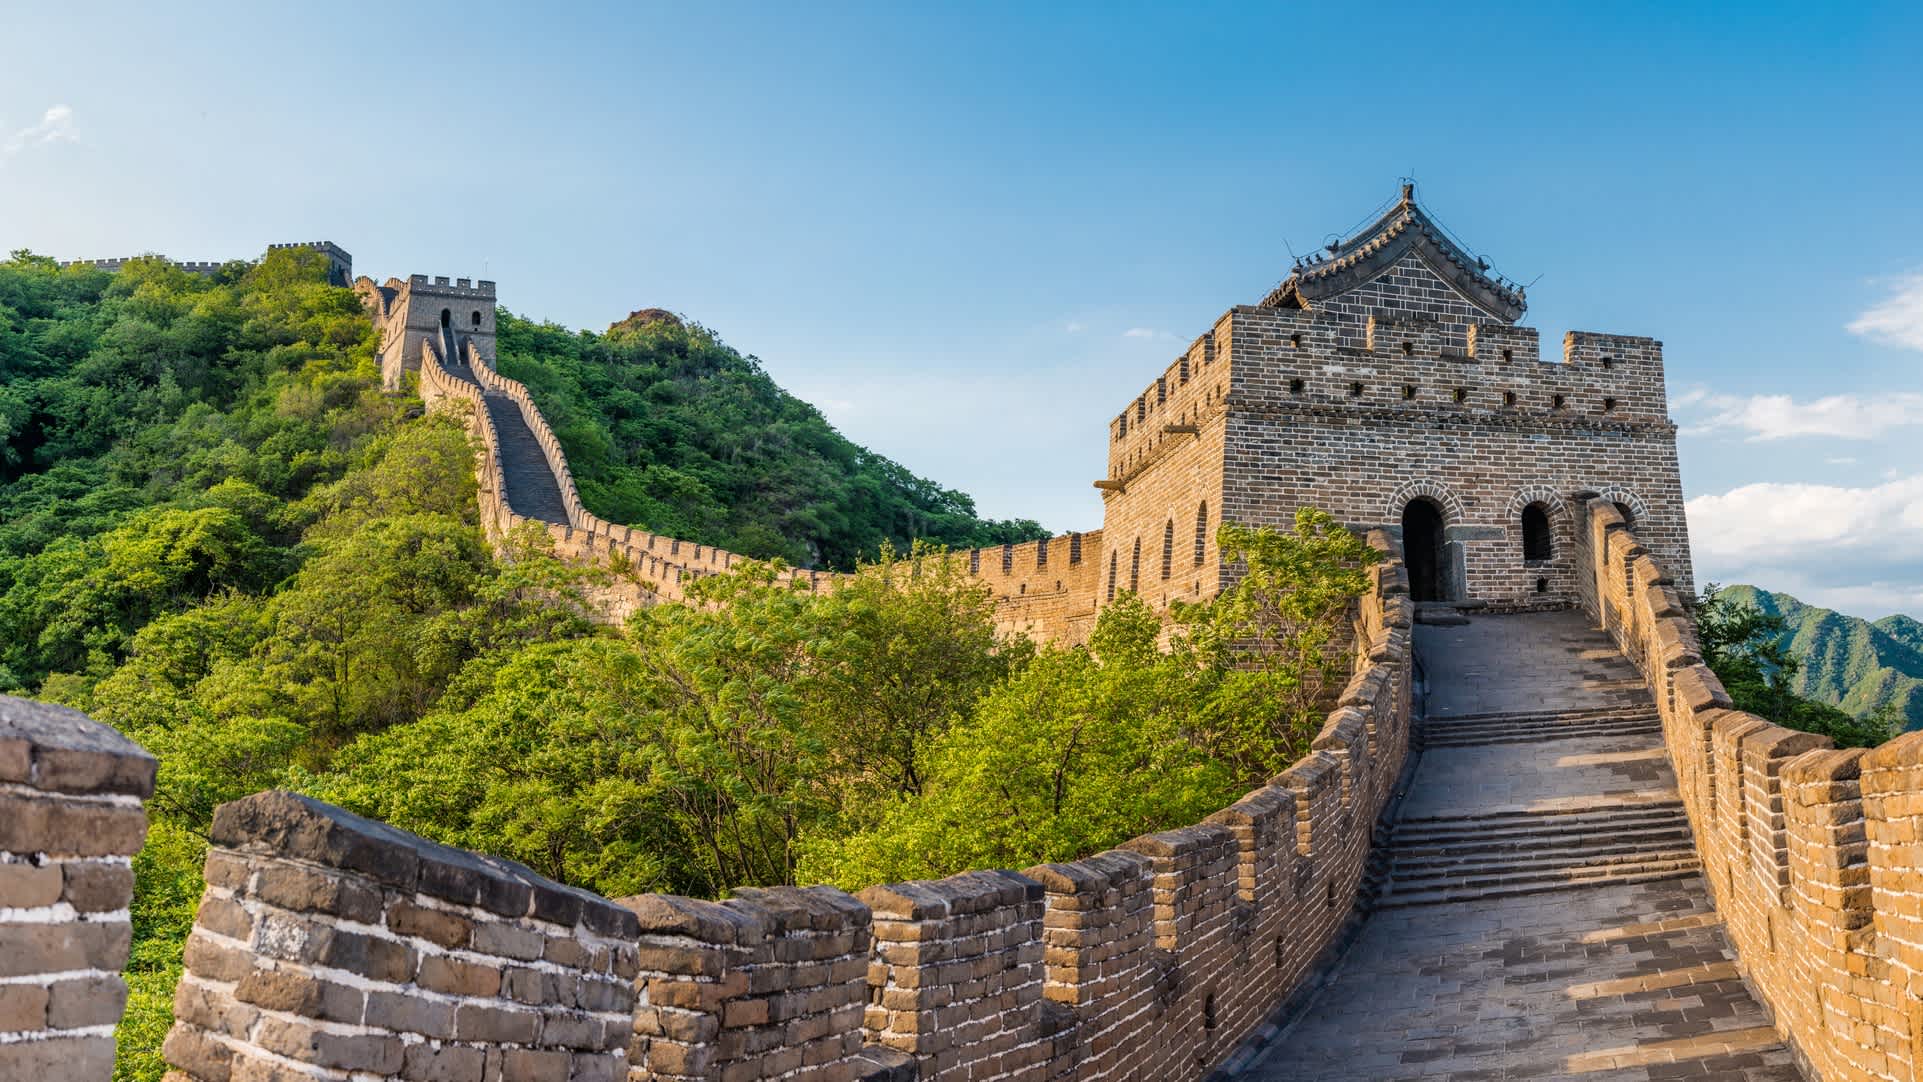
1857 665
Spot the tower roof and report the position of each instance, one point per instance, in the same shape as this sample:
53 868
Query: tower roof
1380 246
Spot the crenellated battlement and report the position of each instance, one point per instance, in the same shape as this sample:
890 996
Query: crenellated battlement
440 286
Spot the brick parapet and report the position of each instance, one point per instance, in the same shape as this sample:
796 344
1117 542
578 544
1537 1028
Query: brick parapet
71 819
771 984
1813 855
331 947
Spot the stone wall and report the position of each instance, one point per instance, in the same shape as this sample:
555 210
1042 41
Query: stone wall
70 822
1148 963
331 947
1814 856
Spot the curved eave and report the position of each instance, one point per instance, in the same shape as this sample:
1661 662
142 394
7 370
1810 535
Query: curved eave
1381 247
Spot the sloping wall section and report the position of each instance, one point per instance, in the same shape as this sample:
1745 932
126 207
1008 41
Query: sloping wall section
1814 855
1045 589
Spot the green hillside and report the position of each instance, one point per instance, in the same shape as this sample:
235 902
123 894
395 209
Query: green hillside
1855 664
667 427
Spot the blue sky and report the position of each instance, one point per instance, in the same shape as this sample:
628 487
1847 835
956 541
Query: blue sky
969 234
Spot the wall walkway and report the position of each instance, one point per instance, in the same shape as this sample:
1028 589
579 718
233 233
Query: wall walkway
1545 915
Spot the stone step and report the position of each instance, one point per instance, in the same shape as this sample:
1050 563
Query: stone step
1520 867
1540 846
1538 734
1513 725
1541 824
1645 709
1443 895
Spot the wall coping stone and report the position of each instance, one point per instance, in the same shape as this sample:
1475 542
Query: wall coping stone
290 825
59 749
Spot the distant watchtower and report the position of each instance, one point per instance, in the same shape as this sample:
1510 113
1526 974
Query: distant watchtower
408 314
1387 382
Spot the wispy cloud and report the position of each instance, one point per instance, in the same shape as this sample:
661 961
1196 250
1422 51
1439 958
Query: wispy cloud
1138 332
1778 416
1897 319
56 126
1074 327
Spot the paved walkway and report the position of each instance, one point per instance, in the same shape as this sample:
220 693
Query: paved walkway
1545 918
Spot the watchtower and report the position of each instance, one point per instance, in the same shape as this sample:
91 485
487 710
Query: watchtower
409 313
340 265
1388 382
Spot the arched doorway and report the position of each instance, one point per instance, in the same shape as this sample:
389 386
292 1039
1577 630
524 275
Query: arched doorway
1538 544
1422 549
447 318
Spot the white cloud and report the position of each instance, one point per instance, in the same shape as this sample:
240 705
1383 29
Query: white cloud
1858 550
1897 319
56 126
1074 327
1138 332
1841 460
1778 416
1779 523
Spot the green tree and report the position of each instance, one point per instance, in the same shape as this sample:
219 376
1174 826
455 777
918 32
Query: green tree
1082 749
1279 638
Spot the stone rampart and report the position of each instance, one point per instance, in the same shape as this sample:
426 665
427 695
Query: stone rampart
1814 855
331 948
70 821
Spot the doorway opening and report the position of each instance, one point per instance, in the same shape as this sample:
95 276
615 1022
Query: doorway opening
1422 549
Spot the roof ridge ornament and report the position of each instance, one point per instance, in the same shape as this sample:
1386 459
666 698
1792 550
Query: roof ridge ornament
1404 227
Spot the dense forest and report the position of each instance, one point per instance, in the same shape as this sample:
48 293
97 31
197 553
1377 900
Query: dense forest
666 427
223 538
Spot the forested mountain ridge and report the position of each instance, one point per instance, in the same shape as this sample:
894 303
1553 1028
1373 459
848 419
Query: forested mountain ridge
1860 666
667 427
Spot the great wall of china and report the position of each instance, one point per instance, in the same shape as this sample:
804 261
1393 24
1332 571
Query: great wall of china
1532 839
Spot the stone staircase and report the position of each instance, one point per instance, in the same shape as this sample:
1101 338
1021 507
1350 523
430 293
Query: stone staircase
1607 838
1526 852
1470 730
532 490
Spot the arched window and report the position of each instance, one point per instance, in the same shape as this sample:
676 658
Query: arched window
1111 576
1201 531
477 321
1537 545
447 318
1135 568
1168 548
